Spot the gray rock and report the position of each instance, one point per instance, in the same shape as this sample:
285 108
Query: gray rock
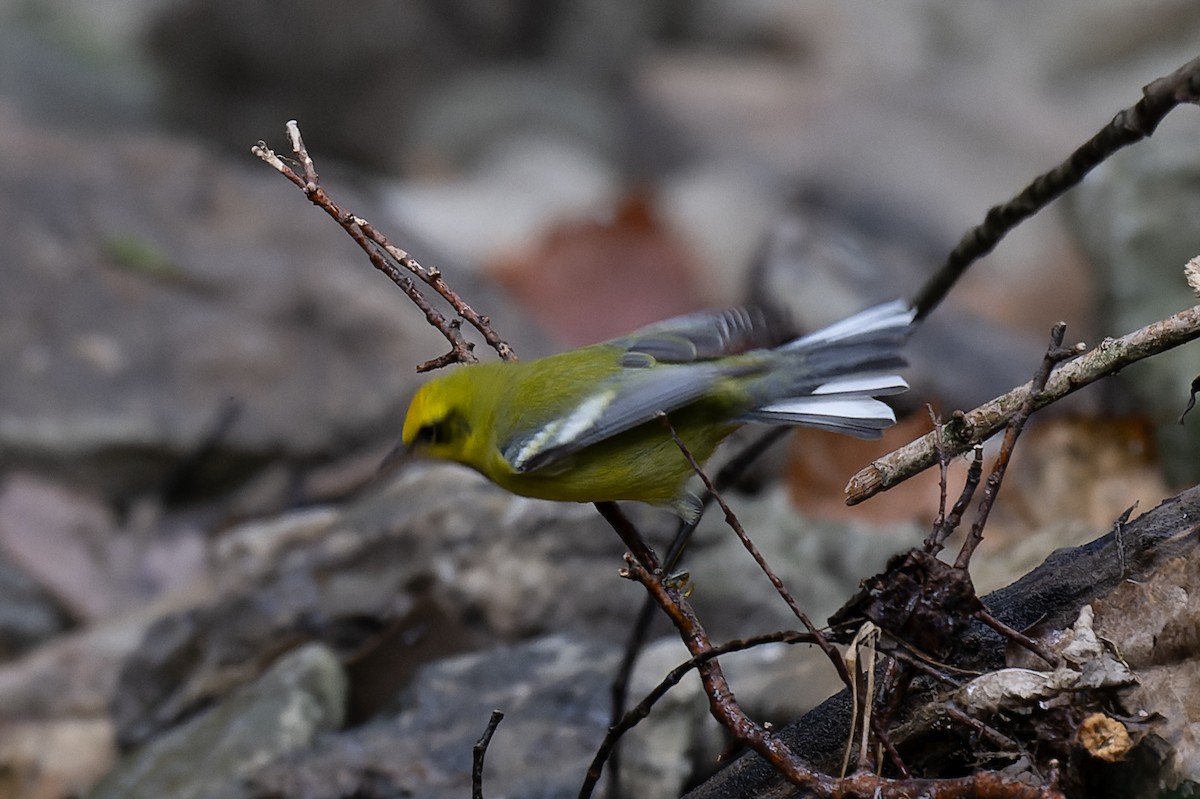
302 695
660 754
554 692
152 286
1135 217
680 742
28 614
434 561
519 185
469 71
832 256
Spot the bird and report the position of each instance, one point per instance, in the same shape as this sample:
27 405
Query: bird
585 425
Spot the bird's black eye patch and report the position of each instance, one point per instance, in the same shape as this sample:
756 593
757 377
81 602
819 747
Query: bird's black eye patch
442 431
426 434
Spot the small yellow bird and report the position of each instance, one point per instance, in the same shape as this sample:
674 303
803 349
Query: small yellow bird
583 425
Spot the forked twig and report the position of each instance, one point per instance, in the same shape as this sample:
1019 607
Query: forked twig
823 643
731 519
642 709
640 629
379 250
720 699
1016 424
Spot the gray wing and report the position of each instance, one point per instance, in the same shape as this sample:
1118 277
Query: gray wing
634 396
667 365
701 336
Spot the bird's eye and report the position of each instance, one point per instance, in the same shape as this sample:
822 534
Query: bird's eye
429 434
443 431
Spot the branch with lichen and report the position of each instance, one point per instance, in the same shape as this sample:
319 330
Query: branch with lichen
965 430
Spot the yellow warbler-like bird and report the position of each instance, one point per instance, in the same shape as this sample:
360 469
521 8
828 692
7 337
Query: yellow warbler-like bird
583 425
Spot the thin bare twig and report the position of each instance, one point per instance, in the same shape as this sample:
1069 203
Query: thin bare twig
379 250
640 629
1128 126
1054 354
479 751
972 427
640 711
1021 638
731 519
946 526
720 698
990 733
823 643
932 543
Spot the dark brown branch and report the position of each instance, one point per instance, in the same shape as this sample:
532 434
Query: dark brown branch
629 535
479 751
728 474
823 643
1128 126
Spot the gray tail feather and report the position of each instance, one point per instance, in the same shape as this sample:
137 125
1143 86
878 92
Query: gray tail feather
840 370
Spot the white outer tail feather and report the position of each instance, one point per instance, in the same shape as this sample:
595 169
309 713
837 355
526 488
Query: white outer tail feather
845 404
853 409
880 384
895 314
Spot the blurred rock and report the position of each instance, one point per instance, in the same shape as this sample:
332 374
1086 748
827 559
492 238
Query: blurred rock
519 187
820 561
56 737
94 566
634 271
78 64
679 742
303 694
419 85
155 338
69 542
830 258
28 614
932 114
1134 216
554 692
723 211
659 755
72 676
433 561
56 758
459 125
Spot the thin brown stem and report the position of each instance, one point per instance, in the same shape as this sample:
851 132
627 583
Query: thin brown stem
1054 354
640 711
629 535
721 703
389 259
731 519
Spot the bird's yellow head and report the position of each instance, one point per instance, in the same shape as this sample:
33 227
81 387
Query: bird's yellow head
437 423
